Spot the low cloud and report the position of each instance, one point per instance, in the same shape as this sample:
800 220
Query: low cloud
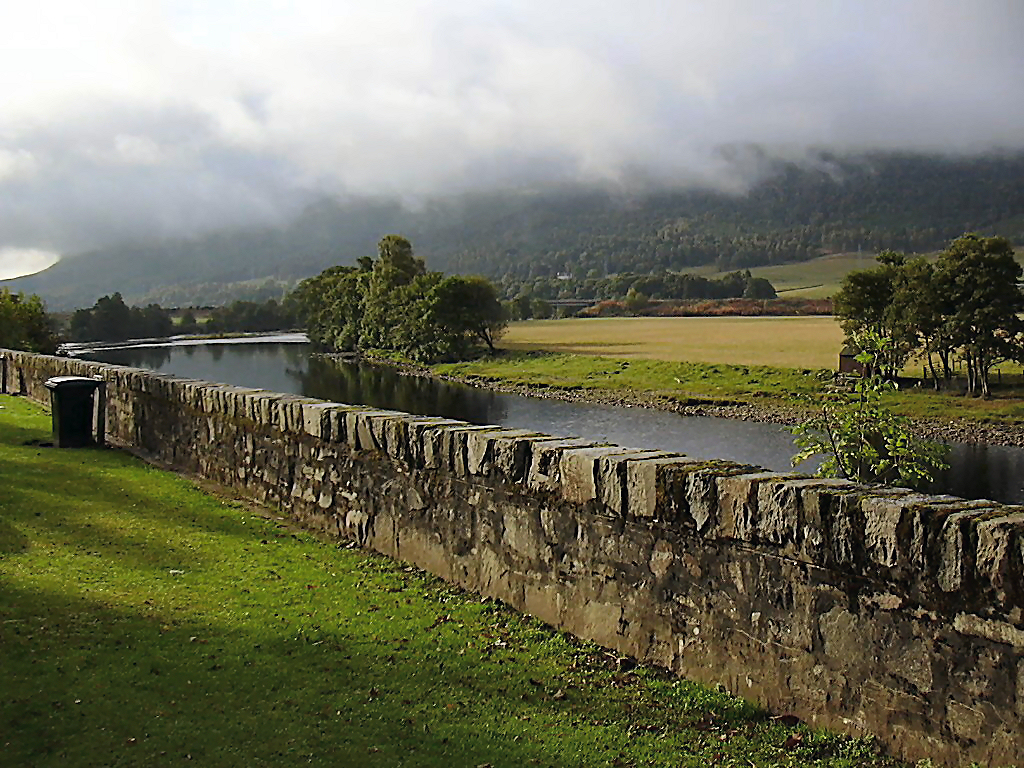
141 119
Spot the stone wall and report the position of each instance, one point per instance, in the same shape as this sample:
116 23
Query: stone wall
864 610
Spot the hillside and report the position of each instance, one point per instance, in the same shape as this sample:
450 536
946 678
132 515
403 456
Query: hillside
796 213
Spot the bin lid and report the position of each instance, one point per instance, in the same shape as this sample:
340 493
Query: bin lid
70 382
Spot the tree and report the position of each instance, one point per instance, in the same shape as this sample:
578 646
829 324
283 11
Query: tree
25 325
874 301
330 306
188 323
466 309
387 298
110 319
978 282
967 306
635 300
759 288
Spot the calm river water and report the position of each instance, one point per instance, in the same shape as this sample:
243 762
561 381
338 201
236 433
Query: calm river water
286 365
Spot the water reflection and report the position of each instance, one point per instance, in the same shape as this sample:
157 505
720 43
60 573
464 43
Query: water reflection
977 471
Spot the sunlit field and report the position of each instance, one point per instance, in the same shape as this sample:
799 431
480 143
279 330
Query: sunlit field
786 342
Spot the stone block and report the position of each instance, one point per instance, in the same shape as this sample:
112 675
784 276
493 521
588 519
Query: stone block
428 443
544 473
999 557
612 479
510 453
359 429
738 504
965 721
379 424
316 419
395 435
990 629
479 448
814 501
647 484
954 557
459 444
662 558
578 471
842 637
892 530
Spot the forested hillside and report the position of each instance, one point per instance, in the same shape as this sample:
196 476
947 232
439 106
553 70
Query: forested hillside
796 212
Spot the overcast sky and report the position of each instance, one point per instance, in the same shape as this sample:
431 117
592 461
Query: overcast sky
148 117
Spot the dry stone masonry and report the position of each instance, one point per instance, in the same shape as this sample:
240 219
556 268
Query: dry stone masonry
872 611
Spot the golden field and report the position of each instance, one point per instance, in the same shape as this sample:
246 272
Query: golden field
785 342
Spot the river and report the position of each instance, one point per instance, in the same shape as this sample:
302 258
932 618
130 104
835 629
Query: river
285 364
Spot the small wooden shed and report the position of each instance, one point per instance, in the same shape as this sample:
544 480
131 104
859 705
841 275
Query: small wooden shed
848 362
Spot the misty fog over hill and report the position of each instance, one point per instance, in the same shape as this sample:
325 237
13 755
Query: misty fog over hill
795 212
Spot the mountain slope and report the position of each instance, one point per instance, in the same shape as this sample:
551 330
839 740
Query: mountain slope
795 213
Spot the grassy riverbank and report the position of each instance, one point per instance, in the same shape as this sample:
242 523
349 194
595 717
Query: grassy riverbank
780 363
144 622
681 382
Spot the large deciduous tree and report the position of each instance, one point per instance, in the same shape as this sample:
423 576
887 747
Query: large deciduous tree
977 281
466 309
24 324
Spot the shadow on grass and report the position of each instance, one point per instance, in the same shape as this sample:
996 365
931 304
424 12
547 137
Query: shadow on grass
12 539
90 685
97 501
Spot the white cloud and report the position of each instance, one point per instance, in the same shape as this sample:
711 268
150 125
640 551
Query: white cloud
16 164
246 102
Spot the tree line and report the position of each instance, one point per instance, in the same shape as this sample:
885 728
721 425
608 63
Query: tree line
660 285
111 319
965 308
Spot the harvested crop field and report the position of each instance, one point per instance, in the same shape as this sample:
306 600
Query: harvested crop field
785 342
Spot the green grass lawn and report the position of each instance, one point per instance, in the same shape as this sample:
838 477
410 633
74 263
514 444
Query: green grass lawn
681 381
143 622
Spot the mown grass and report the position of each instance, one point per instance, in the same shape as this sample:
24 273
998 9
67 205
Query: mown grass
679 381
143 622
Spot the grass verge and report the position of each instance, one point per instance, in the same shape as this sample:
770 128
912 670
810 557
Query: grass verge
696 382
144 622
680 381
